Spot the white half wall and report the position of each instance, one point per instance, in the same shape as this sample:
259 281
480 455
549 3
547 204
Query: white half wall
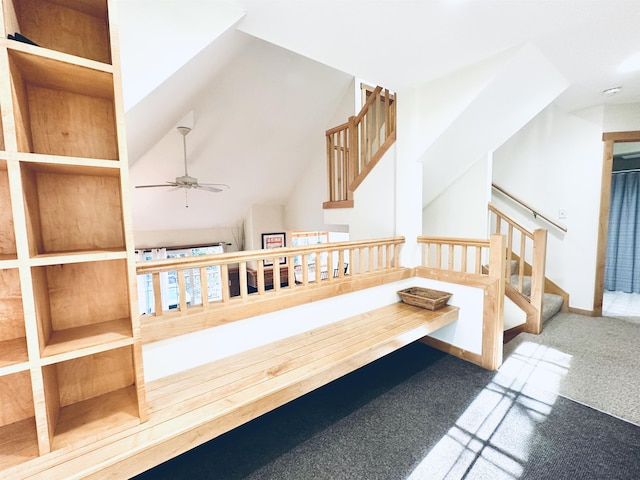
181 353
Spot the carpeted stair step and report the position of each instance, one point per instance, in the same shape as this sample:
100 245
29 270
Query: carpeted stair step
551 303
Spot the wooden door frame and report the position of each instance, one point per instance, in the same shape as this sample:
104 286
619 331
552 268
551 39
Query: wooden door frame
605 200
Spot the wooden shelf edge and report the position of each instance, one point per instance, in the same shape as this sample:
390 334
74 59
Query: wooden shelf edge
45 259
56 55
50 162
87 340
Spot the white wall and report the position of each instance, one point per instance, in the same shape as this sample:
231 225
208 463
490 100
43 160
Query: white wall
263 219
553 163
373 212
461 210
176 354
303 210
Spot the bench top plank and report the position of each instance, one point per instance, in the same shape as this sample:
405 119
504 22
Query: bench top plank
192 407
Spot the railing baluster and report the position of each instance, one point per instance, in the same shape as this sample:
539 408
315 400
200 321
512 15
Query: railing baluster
244 288
157 293
204 286
463 266
182 291
478 260
224 280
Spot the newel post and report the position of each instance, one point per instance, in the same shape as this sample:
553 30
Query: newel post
353 155
493 322
538 276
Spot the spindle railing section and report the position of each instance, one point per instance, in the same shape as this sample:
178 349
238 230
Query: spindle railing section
528 251
474 263
354 147
303 273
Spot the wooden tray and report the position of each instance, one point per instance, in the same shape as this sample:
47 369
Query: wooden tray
425 297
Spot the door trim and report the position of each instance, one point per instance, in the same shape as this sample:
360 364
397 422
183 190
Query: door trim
605 200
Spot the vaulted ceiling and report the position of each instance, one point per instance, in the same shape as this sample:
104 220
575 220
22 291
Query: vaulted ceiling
261 79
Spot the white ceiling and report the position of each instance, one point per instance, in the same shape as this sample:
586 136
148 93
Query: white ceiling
263 78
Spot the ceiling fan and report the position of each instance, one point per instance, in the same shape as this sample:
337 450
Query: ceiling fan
186 181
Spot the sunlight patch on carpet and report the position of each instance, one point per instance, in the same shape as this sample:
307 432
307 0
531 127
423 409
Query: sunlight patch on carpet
494 436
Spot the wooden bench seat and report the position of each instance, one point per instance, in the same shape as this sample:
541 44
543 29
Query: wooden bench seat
192 407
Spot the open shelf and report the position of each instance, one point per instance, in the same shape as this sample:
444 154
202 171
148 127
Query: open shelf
71 209
18 440
61 108
13 344
73 341
81 297
77 27
7 235
90 397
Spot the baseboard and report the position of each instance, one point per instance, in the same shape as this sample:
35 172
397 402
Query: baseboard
580 311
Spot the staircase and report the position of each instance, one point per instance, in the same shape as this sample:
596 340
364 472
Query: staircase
355 147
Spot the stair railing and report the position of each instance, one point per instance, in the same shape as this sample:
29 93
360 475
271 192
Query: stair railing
528 250
354 147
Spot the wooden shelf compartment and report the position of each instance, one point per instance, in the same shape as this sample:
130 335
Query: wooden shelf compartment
13 343
81 306
72 209
61 108
18 439
91 397
76 27
7 235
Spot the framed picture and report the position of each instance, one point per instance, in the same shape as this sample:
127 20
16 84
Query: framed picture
274 240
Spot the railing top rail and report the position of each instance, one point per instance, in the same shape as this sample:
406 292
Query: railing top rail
470 242
511 221
338 128
365 108
165 265
535 213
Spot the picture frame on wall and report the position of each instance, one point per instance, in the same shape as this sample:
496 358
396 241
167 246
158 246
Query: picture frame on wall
274 240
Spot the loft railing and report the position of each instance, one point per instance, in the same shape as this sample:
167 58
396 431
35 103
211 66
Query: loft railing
354 148
238 285
527 251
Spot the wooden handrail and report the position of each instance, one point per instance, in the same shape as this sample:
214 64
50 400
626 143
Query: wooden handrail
535 213
354 147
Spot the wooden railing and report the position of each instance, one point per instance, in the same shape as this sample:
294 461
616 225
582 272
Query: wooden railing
455 254
304 273
527 250
355 147
476 263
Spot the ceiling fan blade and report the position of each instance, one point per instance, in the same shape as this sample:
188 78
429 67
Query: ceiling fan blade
168 184
218 185
207 188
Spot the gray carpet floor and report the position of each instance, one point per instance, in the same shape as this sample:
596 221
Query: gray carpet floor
592 360
421 414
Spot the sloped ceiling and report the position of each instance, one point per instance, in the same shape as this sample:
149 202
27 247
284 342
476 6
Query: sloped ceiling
264 76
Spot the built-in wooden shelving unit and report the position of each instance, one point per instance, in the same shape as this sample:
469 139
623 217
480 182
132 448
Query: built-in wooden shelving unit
70 352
